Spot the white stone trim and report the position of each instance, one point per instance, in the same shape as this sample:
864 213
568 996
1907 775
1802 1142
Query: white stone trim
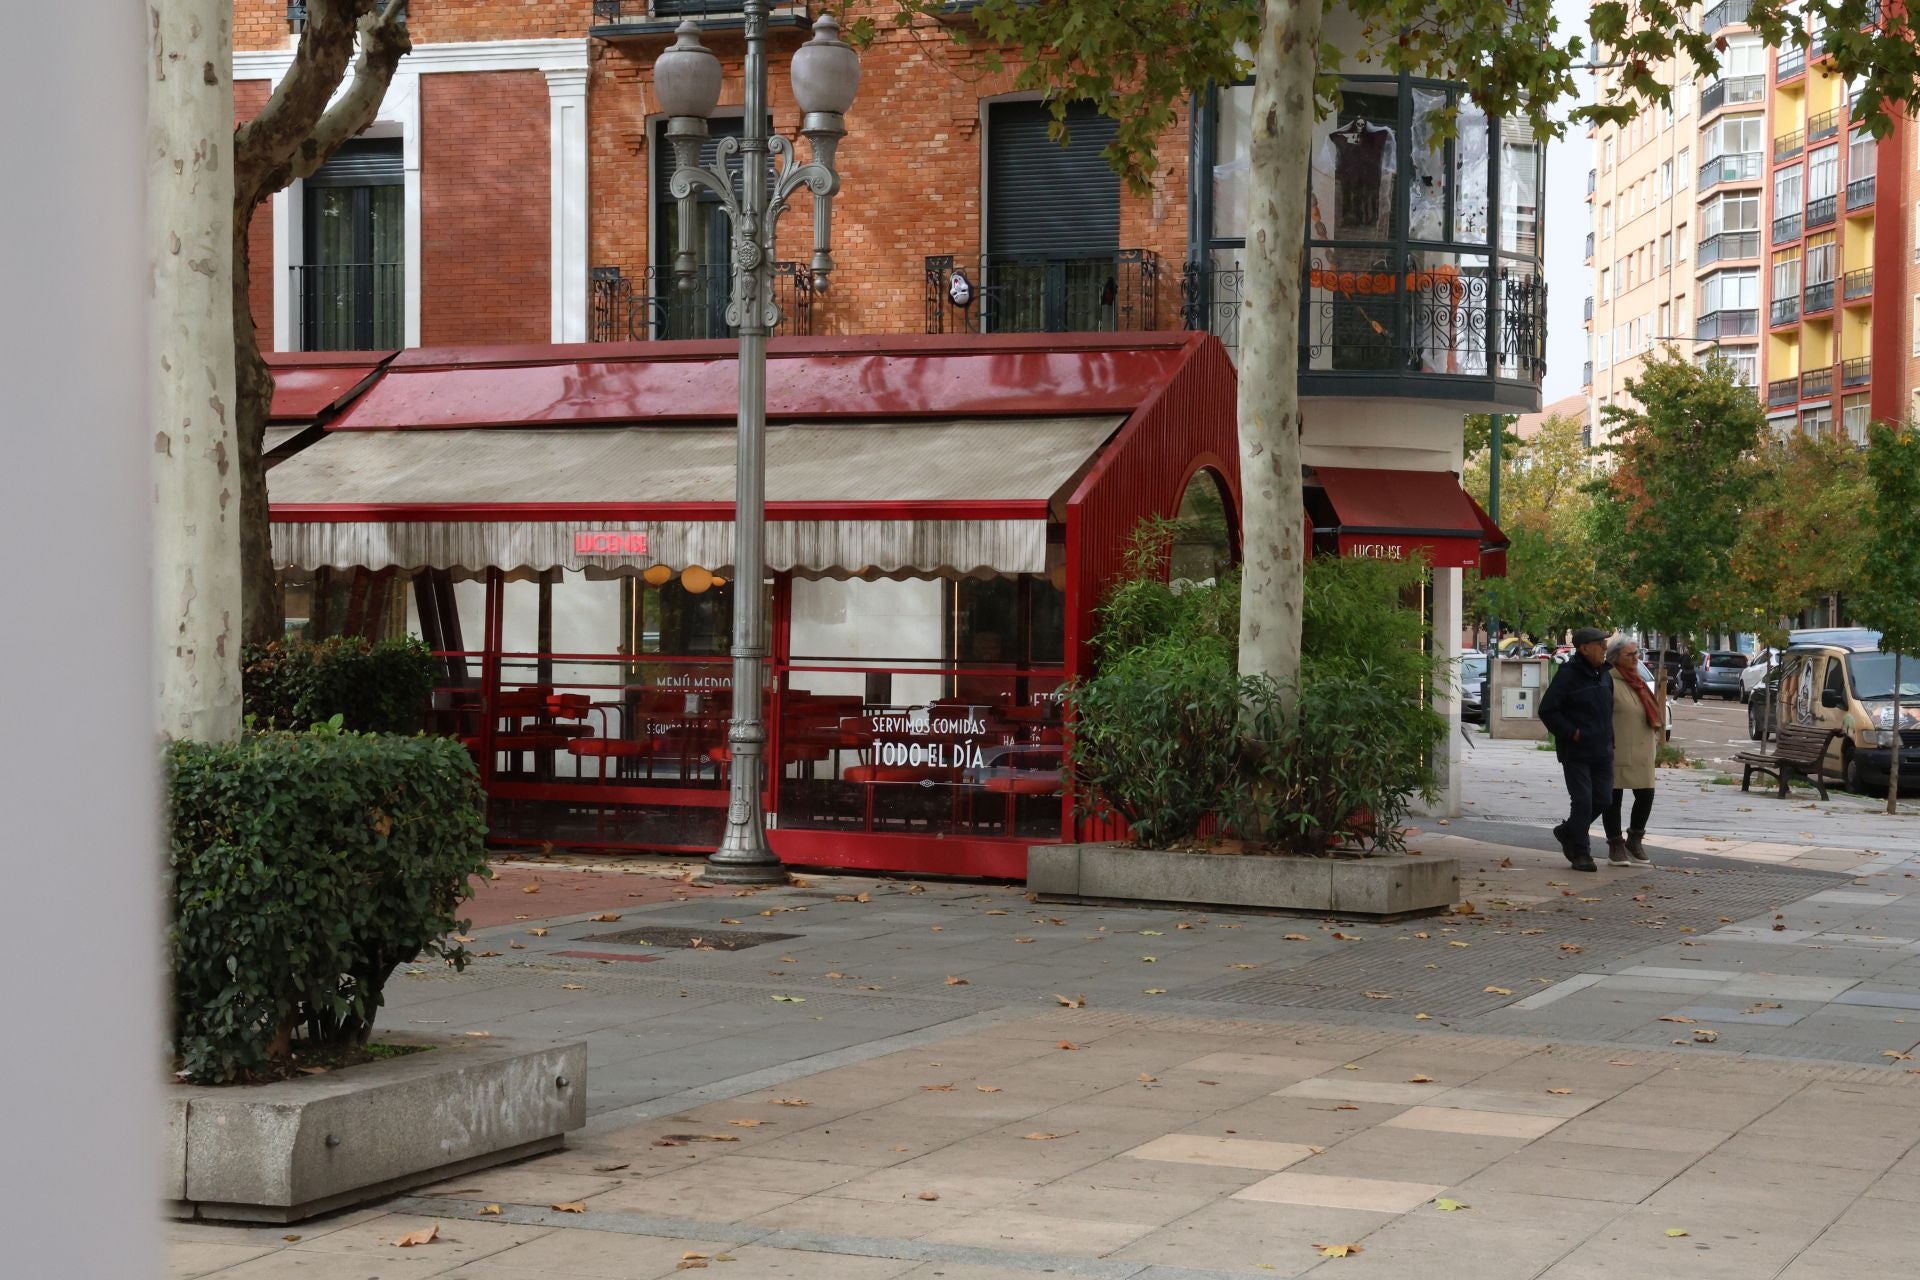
563 62
567 161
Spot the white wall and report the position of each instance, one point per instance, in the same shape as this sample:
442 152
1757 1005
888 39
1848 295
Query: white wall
855 621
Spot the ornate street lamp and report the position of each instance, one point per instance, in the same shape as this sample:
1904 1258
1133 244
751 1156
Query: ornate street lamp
686 79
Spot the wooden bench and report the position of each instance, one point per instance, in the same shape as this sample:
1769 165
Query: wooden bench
1798 751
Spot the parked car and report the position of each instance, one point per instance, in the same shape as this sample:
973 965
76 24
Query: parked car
1754 674
1719 673
1668 663
1846 685
1473 688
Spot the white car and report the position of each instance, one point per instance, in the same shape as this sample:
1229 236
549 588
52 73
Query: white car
1754 675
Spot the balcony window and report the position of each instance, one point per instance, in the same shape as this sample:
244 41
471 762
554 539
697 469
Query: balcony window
1783 391
1730 227
1817 420
1854 415
1729 305
1726 13
1787 146
1856 373
1859 285
1792 62
351 281
1816 382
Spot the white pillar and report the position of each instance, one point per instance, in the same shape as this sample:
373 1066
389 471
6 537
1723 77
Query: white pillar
567 152
1446 698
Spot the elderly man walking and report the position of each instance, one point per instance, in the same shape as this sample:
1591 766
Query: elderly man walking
1578 711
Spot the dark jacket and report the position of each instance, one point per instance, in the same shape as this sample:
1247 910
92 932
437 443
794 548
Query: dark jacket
1578 711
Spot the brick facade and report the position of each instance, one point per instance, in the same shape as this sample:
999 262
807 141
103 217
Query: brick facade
485 215
248 97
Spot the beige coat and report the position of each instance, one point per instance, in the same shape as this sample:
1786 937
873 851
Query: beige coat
1635 742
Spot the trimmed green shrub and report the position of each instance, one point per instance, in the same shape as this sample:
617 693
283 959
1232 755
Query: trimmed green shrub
374 687
305 867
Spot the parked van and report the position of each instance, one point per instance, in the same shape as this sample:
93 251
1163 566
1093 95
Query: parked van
1846 684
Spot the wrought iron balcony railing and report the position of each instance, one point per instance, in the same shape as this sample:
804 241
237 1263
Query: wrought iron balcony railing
1586 374
1589 246
1391 315
1786 228
1856 373
1593 180
1815 383
1821 212
1588 308
1732 323
1858 285
650 304
1091 293
1787 146
1726 13
1824 125
1791 64
1782 391
1860 193
1733 92
1817 298
1739 166
1728 244
357 306
1785 310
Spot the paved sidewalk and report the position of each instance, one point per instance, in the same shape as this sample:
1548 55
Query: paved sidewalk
881 1084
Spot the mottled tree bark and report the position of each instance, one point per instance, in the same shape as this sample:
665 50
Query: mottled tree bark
294 134
1284 65
196 555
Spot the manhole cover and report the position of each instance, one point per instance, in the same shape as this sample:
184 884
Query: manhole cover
701 939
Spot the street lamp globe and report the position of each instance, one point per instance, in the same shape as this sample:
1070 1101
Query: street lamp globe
826 71
686 78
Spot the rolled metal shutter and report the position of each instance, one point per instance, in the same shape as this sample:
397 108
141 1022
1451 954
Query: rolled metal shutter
1044 199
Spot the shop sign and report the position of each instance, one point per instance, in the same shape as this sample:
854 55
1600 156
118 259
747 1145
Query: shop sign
609 542
1377 550
948 740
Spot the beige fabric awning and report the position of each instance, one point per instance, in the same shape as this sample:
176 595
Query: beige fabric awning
447 498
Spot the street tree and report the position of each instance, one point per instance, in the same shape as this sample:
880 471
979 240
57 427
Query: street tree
1805 534
1684 476
190 369
303 124
1138 60
1888 598
1544 499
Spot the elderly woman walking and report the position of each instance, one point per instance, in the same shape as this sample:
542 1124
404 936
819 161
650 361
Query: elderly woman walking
1637 725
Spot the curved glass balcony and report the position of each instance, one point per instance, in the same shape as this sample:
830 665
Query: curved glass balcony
1422 274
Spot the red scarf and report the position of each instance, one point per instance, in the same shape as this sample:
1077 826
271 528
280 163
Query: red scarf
1640 687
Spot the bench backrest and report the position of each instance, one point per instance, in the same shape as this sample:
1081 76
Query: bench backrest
1803 743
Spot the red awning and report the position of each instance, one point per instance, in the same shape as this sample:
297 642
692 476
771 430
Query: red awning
1395 515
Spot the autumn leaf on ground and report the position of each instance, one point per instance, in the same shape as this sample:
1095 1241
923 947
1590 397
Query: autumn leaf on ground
1048 1137
1144 1078
937 1088
605 917
1291 937
1497 991
746 1124
425 1235
490 1211
1066 1044
958 982
1071 1002
1419 1079
725 920
1506 863
692 1264
1148 959
462 938
986 1088
479 1035
516 946
1560 1093
538 933
1676 1232
572 986
791 1102
788 960
1705 1036
1675 1017
1450 1206
929 1195
485 955
791 999
1457 943
1153 991
836 975
1338 1250
571 1206
1152 933
1423 1017
691 1256
530 888
1896 1055
1571 947
1376 995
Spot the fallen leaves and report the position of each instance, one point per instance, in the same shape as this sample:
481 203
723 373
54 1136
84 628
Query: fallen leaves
682 1139
1377 995
1144 1078
490 1211
1291 937
790 999
1457 943
986 1088
605 917
425 1235
1896 1055
1071 1002
1704 1036
791 1102
929 1195
538 933
570 1206
1149 959
1338 1250
1067 1044
573 986
1676 1232
479 1035
1561 1093
1675 1017
936 1088
1572 948
1498 991
1450 1206
958 982
746 1124
1153 991
1048 1137
1419 1079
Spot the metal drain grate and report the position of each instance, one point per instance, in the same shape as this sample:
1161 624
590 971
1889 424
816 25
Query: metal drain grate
692 939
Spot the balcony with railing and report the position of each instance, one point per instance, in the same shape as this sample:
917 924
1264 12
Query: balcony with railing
1786 228
1395 325
1856 373
1725 245
1857 286
1732 92
1815 383
1586 374
1589 246
1784 311
1821 212
1787 146
1059 293
1593 181
626 19
1824 125
1782 391
1725 14
1741 322
1791 64
1860 193
351 306
1817 298
650 304
1587 309
1738 166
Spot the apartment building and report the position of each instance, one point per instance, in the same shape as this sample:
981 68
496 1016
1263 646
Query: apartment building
1791 224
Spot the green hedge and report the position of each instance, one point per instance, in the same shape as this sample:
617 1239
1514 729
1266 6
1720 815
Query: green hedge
305 867
373 687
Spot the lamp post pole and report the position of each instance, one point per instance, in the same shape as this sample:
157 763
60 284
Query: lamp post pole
826 74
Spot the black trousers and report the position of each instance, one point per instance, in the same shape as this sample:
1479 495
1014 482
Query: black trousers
1589 789
1637 820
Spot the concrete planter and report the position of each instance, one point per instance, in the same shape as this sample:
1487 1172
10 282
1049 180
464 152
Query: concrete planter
289 1150
1385 888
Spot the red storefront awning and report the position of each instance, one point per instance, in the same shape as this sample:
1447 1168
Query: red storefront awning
1396 515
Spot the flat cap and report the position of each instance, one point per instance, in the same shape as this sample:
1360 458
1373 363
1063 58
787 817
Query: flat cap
1588 635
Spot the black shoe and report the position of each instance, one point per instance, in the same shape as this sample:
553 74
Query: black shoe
1582 863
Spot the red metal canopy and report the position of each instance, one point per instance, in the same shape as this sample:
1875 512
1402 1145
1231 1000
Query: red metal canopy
307 385
1395 515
